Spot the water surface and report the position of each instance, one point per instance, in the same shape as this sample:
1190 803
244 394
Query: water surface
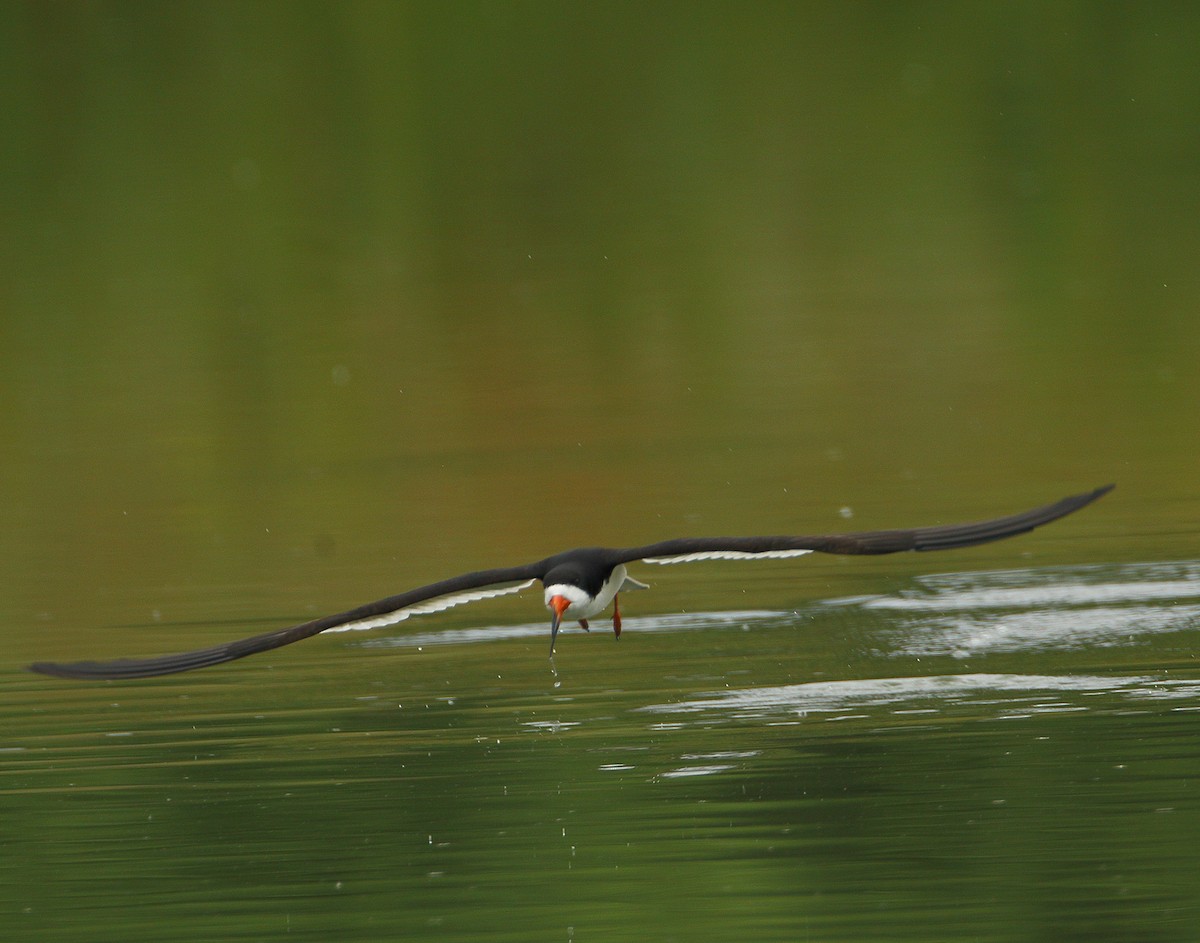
304 305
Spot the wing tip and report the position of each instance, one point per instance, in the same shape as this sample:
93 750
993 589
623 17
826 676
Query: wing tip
120 670
54 669
1077 501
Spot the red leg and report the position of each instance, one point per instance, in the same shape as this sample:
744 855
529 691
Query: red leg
616 617
583 625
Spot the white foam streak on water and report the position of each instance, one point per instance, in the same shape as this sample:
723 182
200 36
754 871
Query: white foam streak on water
1056 586
1009 694
1066 594
965 615
966 636
680 622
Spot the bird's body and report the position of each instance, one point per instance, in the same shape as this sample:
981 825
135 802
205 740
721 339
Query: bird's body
574 592
579 584
584 596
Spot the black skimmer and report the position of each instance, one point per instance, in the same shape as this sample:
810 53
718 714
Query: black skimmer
579 584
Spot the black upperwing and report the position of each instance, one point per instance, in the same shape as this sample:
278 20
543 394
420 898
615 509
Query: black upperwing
372 613
942 537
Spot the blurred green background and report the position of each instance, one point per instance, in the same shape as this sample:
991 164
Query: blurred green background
510 276
303 304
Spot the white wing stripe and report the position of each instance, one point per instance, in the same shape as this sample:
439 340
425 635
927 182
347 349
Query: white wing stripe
726 555
440 604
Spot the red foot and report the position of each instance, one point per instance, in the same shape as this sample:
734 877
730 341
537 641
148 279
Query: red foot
583 624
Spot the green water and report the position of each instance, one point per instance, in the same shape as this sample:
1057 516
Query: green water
305 304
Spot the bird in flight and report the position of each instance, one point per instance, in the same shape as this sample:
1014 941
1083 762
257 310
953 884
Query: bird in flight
578 584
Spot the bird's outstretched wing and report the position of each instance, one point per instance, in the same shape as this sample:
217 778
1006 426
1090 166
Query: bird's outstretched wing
432 598
942 537
488 583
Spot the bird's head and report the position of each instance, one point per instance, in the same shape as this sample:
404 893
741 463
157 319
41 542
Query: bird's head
564 598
